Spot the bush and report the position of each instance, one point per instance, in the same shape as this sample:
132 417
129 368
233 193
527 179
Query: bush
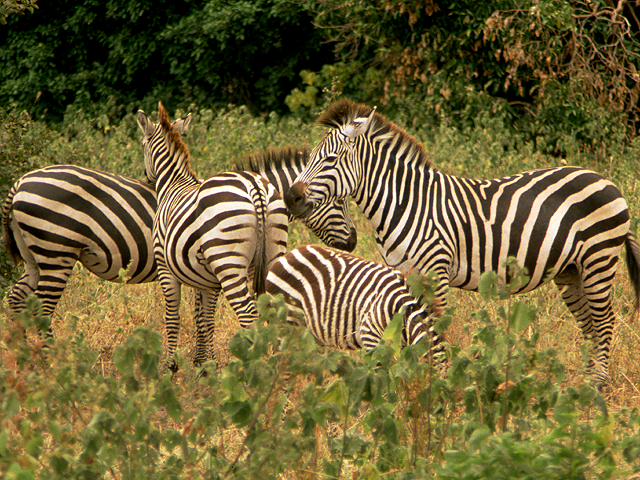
499 412
111 57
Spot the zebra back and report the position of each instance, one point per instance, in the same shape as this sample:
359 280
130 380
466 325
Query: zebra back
347 301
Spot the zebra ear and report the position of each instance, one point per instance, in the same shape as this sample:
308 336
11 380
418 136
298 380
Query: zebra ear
359 125
183 124
144 123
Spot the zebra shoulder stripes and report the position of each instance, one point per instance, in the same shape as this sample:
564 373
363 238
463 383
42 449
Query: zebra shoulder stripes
329 221
347 302
210 235
567 224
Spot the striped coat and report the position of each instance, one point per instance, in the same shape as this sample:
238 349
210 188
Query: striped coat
59 215
213 235
565 224
347 302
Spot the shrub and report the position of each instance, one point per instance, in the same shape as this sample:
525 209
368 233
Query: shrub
499 412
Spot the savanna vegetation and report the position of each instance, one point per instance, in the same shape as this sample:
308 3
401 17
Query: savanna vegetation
491 88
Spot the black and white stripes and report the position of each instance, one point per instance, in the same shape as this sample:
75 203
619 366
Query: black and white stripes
348 302
567 224
212 235
60 215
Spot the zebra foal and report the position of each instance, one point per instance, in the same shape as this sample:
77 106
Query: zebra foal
213 235
565 224
346 301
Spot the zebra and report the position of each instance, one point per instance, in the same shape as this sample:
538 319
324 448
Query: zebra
565 224
58 215
212 235
346 301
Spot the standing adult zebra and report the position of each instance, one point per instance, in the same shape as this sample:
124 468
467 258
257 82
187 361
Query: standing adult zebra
348 302
59 215
213 235
567 224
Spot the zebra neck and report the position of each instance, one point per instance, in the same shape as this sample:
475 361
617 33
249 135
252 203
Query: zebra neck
173 180
396 197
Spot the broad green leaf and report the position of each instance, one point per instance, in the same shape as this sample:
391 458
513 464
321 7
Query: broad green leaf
488 285
337 394
393 333
166 397
521 316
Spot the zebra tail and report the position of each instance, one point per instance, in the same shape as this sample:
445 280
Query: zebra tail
9 239
633 263
259 198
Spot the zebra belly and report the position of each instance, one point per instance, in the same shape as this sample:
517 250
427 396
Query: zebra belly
97 263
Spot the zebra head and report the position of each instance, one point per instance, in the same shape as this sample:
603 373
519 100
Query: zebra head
334 169
159 140
332 223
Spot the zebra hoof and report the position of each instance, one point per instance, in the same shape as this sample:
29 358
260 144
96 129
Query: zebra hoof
601 382
172 366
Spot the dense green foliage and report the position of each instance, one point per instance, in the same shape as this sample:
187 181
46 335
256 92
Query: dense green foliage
298 410
108 57
563 75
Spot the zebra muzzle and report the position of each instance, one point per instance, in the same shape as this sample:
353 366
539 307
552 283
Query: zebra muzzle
296 200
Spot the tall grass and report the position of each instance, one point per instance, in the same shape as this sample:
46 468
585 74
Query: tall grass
101 318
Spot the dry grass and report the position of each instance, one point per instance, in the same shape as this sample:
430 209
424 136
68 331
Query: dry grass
106 313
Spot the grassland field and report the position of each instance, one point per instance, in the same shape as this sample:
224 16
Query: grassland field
107 313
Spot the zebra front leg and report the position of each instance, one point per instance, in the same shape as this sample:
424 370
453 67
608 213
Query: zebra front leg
205 325
49 289
171 291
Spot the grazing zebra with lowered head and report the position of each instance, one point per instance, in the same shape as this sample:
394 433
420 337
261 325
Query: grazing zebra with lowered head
213 235
567 224
59 215
347 302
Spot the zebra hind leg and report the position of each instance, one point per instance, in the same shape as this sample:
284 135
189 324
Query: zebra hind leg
598 288
235 285
49 289
24 287
582 301
205 325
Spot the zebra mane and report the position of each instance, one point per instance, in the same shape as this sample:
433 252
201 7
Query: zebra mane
273 157
343 112
174 137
